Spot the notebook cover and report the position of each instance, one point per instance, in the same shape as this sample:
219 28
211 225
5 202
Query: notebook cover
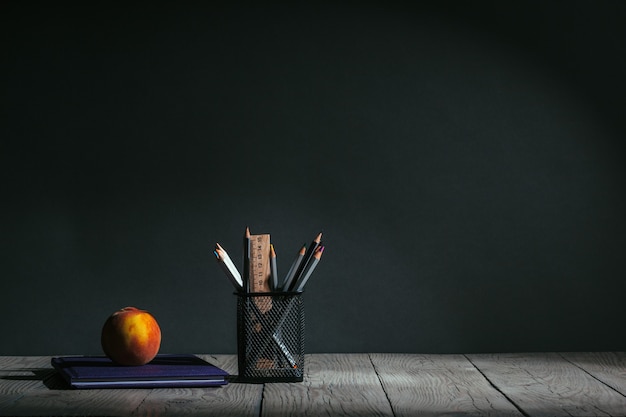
163 371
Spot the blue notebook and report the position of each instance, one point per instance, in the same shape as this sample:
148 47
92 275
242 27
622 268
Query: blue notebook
162 372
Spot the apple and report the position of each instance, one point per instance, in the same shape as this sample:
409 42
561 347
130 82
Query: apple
131 336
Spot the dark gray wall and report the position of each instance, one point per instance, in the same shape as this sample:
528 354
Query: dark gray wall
465 162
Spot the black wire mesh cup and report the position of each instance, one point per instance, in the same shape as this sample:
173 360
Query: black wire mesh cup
270 337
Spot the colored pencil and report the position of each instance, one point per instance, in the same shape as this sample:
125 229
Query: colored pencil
246 260
229 263
299 286
294 267
306 260
274 269
229 268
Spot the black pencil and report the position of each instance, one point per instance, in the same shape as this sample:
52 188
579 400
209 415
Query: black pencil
306 274
307 258
294 268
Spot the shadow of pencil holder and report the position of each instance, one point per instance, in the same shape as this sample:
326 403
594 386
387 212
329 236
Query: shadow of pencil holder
270 337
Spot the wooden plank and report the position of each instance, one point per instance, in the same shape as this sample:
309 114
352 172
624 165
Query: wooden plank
110 402
429 385
545 384
18 375
29 386
334 385
548 384
608 367
231 400
43 392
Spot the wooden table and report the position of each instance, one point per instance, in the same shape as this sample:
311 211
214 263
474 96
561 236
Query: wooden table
512 384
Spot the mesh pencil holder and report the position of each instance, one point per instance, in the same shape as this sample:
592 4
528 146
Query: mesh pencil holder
270 337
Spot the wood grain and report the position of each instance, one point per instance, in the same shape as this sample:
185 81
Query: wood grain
532 384
608 367
545 384
29 386
429 385
19 375
230 400
334 385
40 391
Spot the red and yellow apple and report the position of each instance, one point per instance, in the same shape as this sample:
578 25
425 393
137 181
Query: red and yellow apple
131 336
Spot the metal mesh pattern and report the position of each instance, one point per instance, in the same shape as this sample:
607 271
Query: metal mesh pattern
270 337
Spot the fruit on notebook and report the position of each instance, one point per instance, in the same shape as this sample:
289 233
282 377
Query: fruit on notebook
131 336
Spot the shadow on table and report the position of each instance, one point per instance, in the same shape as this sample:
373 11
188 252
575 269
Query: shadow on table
50 378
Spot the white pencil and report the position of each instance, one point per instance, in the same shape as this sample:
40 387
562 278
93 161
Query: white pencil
229 268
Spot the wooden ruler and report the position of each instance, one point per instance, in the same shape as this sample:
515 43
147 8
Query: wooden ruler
260 269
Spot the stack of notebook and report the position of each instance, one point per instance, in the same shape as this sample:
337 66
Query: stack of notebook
162 372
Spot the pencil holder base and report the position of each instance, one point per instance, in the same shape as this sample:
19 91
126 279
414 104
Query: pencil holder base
270 337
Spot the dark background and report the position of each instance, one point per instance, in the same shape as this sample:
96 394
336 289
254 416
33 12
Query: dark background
464 161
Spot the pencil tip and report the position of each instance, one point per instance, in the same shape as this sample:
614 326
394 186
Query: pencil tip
247 231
